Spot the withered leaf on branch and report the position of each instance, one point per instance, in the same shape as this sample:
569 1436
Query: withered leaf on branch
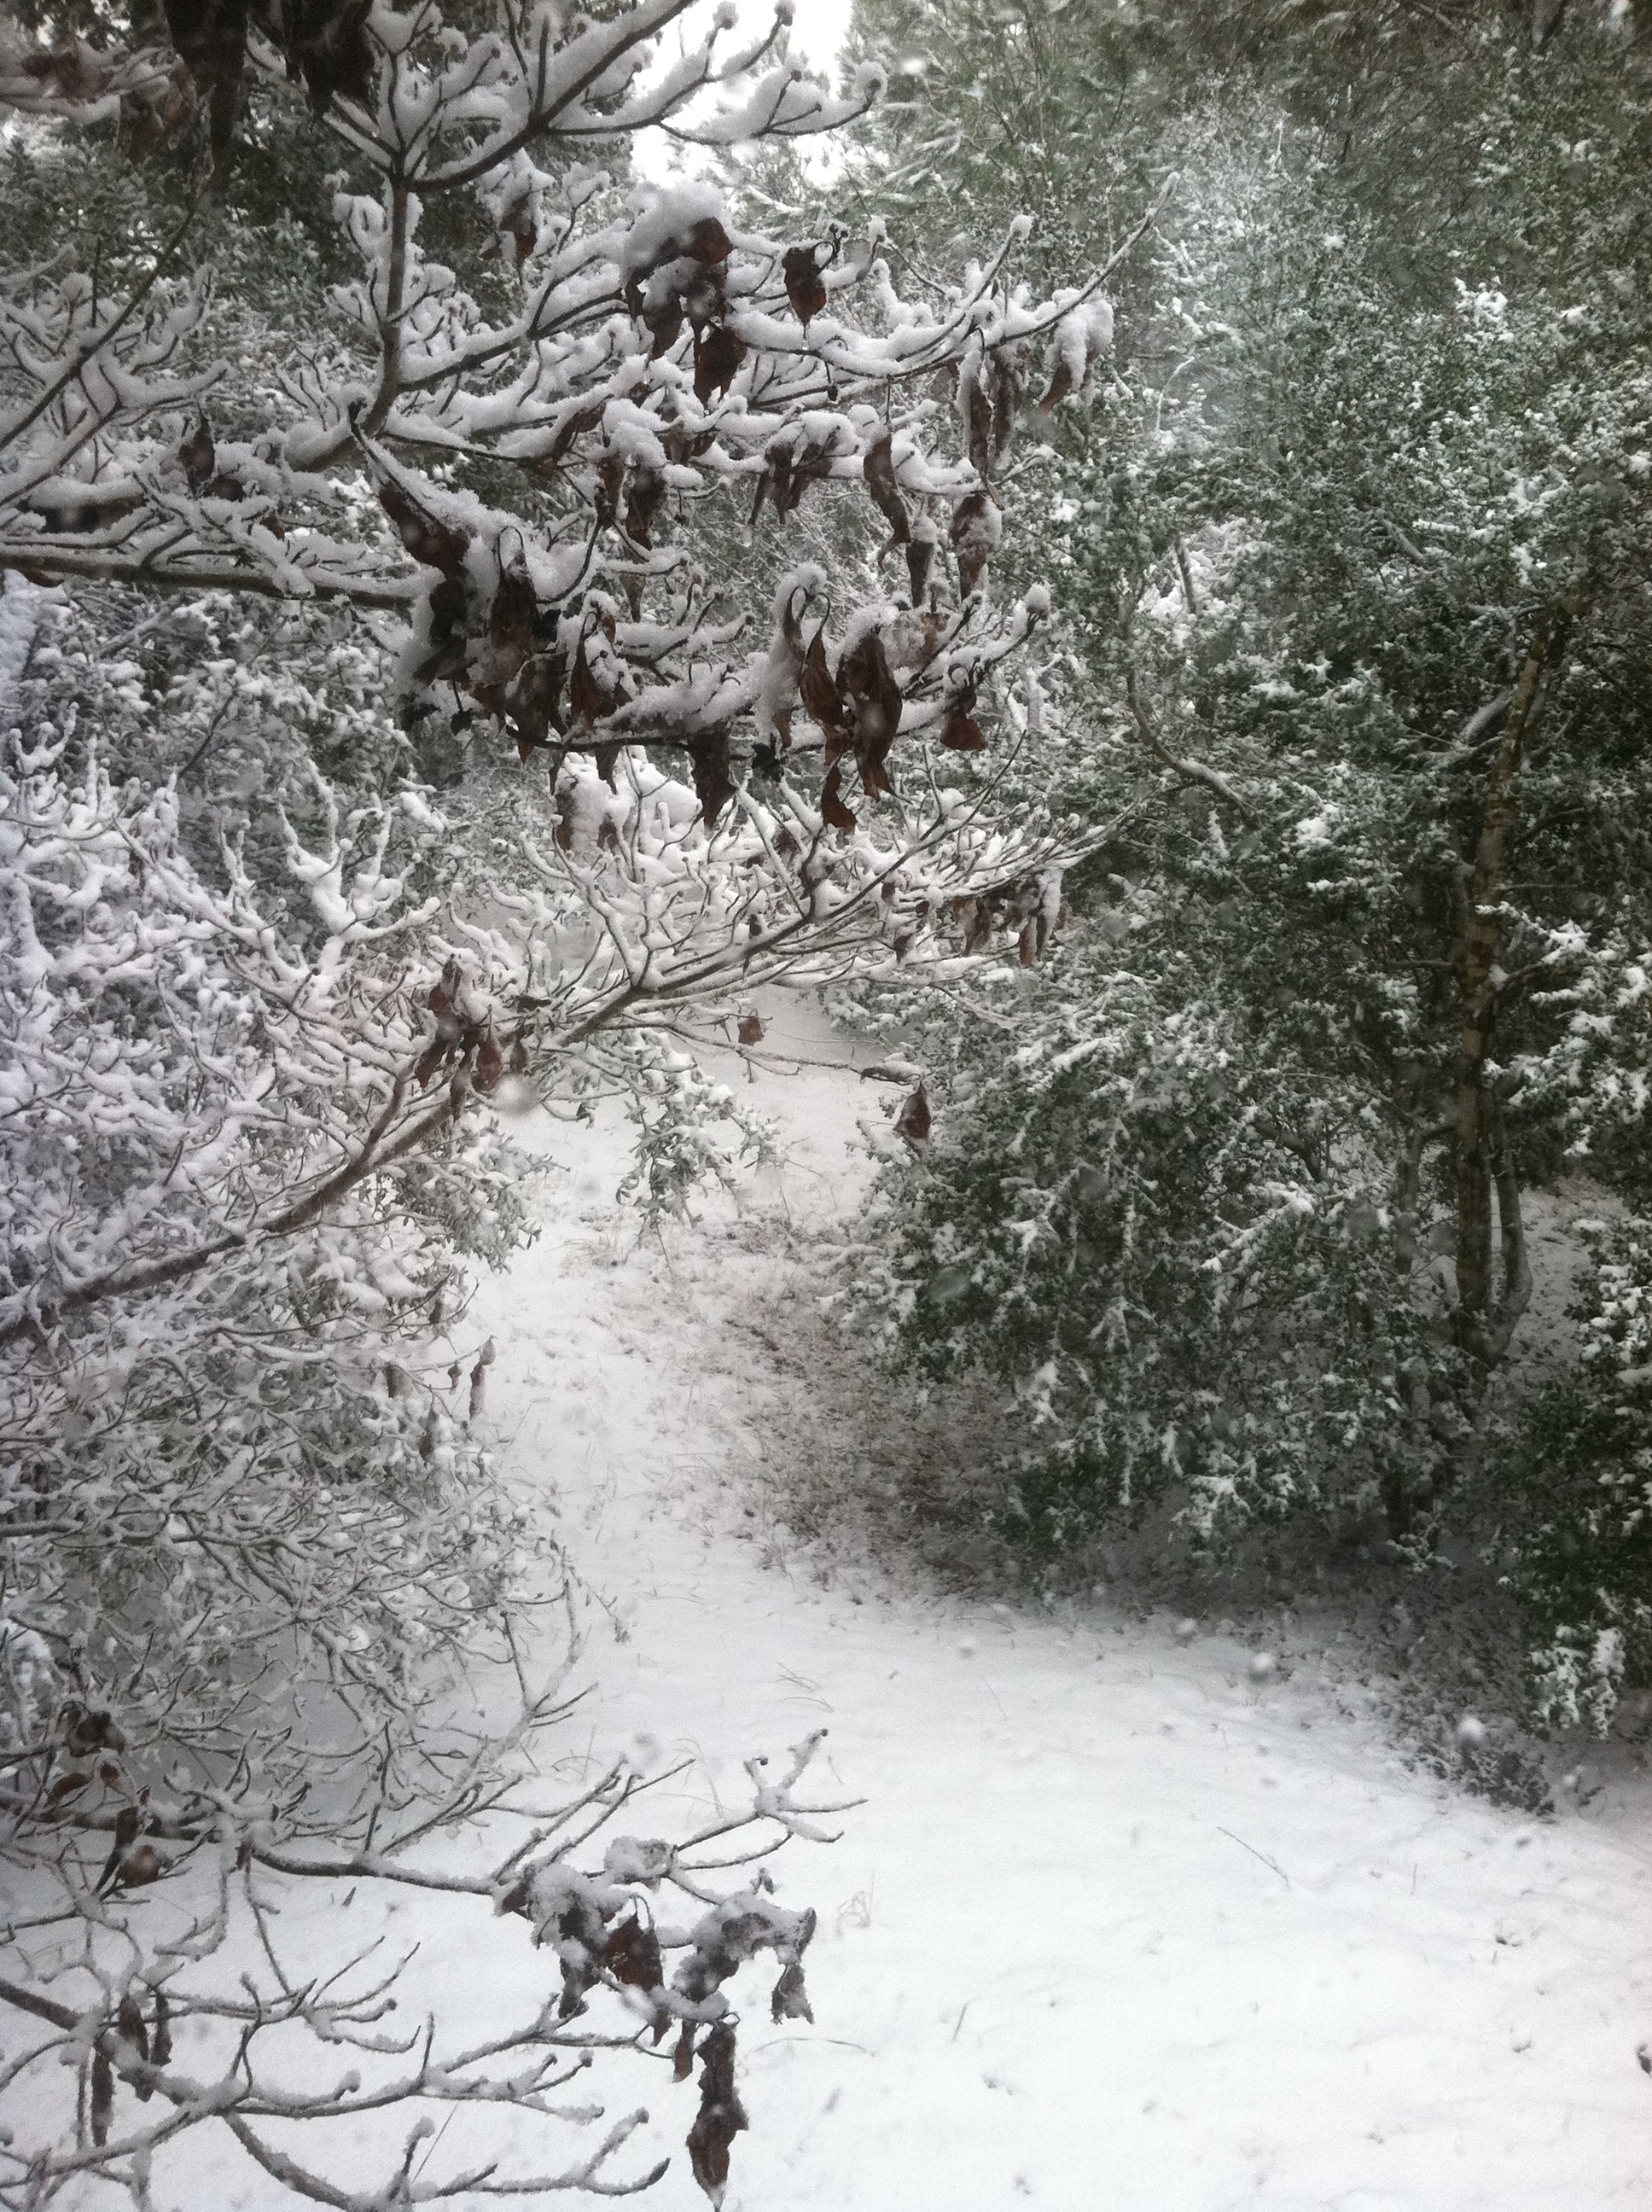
975 530
804 288
509 638
103 2101
790 1999
574 424
833 811
489 1063
912 1122
589 698
129 2020
978 417
632 1954
819 692
533 700
874 695
211 39
920 559
960 731
717 359
721 2115
878 468
431 543
517 234
713 778
328 47
1009 389
199 456
751 1028
647 488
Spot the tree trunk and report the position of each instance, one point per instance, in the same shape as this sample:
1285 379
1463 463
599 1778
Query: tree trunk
1485 1320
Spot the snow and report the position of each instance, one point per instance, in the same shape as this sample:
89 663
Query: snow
1132 1914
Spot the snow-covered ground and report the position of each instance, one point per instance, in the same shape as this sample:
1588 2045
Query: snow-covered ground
1125 1920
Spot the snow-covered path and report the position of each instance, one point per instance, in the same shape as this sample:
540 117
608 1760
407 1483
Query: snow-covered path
1121 1924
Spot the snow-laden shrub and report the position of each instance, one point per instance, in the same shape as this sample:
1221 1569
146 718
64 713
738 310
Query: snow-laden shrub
1114 1220
1581 1514
245 1513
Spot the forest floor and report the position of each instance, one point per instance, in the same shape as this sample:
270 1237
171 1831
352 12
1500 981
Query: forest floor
1138 1912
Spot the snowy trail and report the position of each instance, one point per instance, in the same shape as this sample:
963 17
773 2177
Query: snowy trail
1120 1924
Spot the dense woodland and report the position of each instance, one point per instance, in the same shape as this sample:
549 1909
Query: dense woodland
1115 546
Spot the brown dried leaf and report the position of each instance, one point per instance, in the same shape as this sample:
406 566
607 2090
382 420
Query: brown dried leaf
751 1028
328 47
819 694
1060 387
977 403
199 457
1009 389
142 1866
129 2020
920 558
833 811
533 700
960 731
878 468
707 243
431 543
721 2115
632 1956
912 1122
803 287
713 779
103 2100
790 1999
874 695
975 534
519 234
489 1063
647 489
717 359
